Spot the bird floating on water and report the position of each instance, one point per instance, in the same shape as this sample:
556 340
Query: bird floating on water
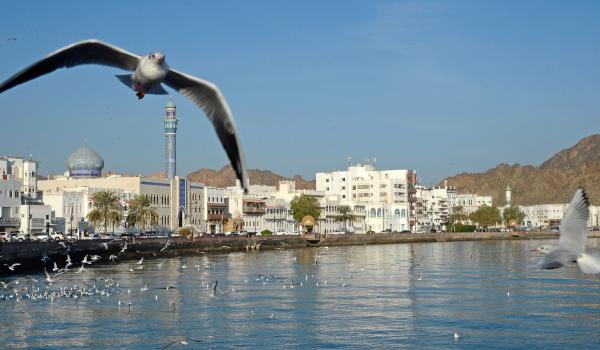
148 73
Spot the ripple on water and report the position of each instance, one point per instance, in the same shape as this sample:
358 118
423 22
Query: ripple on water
386 296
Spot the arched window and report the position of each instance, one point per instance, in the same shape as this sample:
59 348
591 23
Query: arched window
378 213
403 213
397 212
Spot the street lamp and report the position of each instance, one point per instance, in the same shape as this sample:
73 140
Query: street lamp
71 224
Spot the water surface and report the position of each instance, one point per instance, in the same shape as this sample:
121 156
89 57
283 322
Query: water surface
378 296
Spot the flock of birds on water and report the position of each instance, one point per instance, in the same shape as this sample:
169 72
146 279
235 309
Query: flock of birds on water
50 288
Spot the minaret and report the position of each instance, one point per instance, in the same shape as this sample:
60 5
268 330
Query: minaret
508 195
170 138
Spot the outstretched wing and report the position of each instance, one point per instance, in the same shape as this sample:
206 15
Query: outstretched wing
573 227
208 97
85 52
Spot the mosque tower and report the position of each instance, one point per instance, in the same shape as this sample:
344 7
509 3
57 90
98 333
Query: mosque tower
170 138
508 195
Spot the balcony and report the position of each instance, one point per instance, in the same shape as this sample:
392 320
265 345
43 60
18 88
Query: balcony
253 210
215 217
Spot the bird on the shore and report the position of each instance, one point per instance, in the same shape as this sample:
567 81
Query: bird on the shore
148 73
572 239
113 258
12 267
124 248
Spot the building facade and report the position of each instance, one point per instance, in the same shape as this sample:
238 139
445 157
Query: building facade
388 196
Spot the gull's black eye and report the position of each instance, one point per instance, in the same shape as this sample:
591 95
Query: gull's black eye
152 55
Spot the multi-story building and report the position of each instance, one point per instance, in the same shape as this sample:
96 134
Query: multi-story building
10 200
470 202
433 208
217 211
24 170
388 196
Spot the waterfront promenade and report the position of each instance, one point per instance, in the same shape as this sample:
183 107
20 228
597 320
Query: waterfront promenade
33 256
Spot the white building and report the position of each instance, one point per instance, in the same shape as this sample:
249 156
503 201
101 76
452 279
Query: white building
23 170
470 202
433 207
10 200
388 196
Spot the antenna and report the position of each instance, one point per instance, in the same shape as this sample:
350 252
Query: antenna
349 161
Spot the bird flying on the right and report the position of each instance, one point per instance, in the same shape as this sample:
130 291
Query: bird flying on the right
572 239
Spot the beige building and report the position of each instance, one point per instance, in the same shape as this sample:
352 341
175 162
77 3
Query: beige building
178 202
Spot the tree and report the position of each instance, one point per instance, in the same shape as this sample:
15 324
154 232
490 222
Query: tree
304 205
513 213
345 215
458 215
486 216
107 210
142 213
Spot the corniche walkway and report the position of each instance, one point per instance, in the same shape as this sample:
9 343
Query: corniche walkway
35 255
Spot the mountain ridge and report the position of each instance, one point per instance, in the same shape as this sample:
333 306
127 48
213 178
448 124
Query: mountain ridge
554 181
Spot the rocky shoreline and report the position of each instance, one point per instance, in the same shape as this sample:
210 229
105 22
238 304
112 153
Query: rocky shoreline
34 256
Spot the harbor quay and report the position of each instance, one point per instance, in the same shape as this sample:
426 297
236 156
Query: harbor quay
37 255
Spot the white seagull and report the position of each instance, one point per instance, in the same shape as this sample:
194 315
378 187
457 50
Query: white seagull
572 240
12 267
148 72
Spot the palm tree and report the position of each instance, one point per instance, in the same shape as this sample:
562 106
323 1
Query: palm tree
141 213
345 215
107 210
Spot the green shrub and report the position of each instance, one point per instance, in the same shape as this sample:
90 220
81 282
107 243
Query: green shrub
464 228
266 233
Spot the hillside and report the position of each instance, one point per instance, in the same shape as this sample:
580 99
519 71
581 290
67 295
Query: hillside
554 181
226 177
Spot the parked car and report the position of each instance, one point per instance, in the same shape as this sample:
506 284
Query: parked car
405 231
21 236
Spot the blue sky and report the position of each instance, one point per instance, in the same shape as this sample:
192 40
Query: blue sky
436 86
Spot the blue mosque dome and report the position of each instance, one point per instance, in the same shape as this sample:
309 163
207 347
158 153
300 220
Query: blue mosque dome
85 162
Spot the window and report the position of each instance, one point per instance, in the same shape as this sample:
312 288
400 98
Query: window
343 179
326 180
403 213
343 187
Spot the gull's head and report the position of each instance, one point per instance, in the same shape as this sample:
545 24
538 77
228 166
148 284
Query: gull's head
544 249
157 57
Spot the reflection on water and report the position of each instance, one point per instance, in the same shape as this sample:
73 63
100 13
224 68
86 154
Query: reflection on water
398 296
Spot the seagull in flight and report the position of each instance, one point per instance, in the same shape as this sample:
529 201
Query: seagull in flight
572 239
12 267
147 74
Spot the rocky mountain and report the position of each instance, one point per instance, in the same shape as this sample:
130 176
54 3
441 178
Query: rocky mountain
554 181
226 177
